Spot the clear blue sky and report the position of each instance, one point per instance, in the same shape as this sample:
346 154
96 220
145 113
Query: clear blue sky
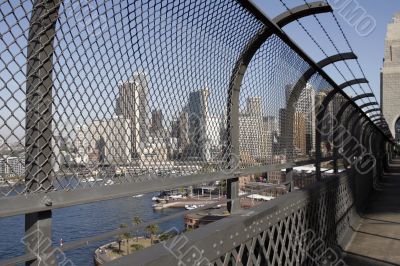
97 82
369 48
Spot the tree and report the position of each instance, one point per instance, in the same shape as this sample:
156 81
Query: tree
127 236
152 229
121 237
137 221
167 235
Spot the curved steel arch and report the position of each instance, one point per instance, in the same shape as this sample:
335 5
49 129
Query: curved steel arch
372 117
373 110
321 115
342 86
240 70
367 127
362 96
368 104
298 88
353 82
348 103
380 118
339 116
302 11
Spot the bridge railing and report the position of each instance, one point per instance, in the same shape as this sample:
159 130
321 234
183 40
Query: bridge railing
107 99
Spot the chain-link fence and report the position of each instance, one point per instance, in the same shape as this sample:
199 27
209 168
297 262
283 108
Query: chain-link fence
102 93
96 95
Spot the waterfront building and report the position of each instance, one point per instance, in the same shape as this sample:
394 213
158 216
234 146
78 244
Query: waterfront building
107 141
15 166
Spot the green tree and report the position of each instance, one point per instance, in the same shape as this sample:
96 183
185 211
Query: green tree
127 236
137 221
153 230
167 235
121 237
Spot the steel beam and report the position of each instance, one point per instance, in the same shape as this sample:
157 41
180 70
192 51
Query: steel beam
38 128
373 110
369 104
380 118
372 117
301 11
352 83
36 202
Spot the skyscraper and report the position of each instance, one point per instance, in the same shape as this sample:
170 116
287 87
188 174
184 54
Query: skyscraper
300 133
390 77
105 141
198 116
306 105
156 121
182 132
132 104
255 136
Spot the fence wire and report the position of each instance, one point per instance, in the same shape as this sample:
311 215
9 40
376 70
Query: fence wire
110 92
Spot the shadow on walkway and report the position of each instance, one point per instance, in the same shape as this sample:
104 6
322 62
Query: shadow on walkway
377 239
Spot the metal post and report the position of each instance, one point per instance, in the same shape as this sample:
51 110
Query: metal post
232 190
318 141
39 116
289 178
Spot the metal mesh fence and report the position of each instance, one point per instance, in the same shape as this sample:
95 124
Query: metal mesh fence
111 92
96 94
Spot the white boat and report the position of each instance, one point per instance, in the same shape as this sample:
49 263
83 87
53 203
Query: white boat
190 207
109 182
178 196
91 179
138 196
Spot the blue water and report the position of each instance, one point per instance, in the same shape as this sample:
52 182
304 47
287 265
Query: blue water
81 221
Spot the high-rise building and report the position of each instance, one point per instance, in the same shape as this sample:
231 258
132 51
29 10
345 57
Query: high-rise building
298 145
306 105
213 134
254 106
256 131
115 142
300 134
390 77
180 132
2 168
132 104
107 141
157 121
15 166
198 115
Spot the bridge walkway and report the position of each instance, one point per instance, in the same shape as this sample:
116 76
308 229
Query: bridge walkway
376 241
